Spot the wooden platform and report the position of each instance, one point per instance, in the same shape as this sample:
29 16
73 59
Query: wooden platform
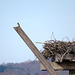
60 66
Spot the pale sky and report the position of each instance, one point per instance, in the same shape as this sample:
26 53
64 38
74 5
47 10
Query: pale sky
38 18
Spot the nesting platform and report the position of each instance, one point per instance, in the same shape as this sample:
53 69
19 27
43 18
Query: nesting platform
60 66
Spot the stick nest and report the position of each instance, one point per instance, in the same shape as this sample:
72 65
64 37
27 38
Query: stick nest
58 48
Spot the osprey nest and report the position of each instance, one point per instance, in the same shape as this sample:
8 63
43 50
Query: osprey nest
60 50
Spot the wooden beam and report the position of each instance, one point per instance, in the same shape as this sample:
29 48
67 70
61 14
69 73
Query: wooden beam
35 50
61 66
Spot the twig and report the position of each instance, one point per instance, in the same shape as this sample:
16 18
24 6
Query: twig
65 37
63 55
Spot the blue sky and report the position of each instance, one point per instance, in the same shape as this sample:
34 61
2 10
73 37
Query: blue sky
38 18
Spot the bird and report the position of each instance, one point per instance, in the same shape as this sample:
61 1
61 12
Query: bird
18 24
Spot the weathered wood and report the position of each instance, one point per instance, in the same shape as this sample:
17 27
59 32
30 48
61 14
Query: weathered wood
71 72
69 57
35 50
61 66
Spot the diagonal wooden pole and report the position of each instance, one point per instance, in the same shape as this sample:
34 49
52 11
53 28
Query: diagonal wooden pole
35 50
